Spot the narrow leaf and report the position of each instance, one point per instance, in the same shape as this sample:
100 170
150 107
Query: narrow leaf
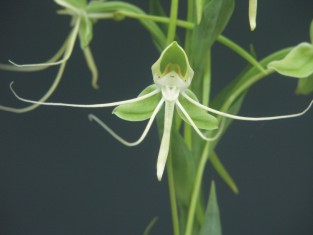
298 62
140 110
212 223
156 8
221 170
215 16
184 170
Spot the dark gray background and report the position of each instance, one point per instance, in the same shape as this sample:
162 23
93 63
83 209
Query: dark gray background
61 174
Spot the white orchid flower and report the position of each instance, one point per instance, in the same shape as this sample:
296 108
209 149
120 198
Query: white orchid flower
82 28
172 76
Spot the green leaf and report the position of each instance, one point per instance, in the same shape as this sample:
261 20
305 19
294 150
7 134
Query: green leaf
241 81
298 62
184 170
85 31
201 118
221 170
305 85
156 8
212 223
140 110
215 16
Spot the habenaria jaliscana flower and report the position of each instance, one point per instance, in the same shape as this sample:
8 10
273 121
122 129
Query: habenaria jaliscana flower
172 76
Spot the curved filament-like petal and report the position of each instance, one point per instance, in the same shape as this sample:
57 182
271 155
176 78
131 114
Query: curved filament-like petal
119 138
247 118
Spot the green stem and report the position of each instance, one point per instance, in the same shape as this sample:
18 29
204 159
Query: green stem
196 190
190 7
173 22
190 18
158 19
206 87
240 51
172 192
251 77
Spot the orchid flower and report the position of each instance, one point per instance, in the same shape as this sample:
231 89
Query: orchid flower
172 75
82 27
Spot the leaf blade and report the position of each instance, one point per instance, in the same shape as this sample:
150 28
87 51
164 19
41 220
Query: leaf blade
223 173
212 222
297 63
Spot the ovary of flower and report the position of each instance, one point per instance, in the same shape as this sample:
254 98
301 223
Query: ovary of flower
172 76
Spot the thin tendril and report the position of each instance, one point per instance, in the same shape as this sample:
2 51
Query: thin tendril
118 137
85 105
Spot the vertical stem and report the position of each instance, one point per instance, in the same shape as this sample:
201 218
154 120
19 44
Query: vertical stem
190 9
206 87
173 22
196 190
171 186
190 15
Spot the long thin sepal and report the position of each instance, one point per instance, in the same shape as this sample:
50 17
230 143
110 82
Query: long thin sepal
54 58
247 118
84 105
165 142
42 99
